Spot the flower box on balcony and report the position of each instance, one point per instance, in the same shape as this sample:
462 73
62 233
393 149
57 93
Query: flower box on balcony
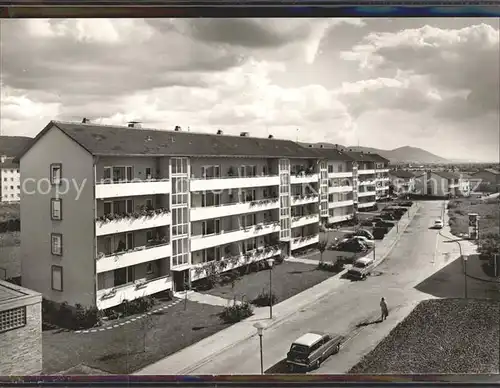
108 295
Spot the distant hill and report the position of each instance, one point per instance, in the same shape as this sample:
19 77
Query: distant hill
405 154
13 145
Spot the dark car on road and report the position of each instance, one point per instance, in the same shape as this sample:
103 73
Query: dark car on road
387 216
379 233
352 245
364 233
406 204
311 349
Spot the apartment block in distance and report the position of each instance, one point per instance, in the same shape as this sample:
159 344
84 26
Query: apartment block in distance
9 180
20 331
142 210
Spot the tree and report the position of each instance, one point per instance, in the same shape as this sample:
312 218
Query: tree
489 245
147 324
322 248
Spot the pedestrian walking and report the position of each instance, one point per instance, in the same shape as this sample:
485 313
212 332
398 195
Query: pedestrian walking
384 309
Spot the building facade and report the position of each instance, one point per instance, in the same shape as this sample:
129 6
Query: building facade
487 180
403 182
442 184
10 185
20 331
132 212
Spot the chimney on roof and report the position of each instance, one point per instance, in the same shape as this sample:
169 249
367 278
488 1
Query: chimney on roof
85 120
244 134
321 146
134 124
220 132
336 146
270 137
177 128
310 146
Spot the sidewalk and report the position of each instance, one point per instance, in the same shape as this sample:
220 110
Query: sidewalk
202 352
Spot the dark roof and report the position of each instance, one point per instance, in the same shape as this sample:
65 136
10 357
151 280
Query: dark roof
330 153
107 140
8 163
493 171
363 156
12 145
402 174
446 174
380 158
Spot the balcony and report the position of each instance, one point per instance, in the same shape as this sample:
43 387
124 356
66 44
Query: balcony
111 297
342 218
298 200
305 220
149 219
204 213
226 237
132 188
233 182
382 169
132 257
304 178
345 174
362 205
366 193
366 172
198 270
348 202
339 189
301 242
367 183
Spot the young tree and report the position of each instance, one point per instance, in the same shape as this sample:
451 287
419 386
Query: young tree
147 323
322 248
489 245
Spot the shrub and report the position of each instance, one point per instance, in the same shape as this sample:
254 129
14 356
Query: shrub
132 307
236 313
452 205
280 259
264 299
85 317
489 245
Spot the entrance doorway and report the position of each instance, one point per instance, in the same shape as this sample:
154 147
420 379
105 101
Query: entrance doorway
181 280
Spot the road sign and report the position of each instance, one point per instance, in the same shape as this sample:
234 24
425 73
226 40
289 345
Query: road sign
473 226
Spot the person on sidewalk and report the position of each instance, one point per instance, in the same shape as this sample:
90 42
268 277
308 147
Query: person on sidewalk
384 309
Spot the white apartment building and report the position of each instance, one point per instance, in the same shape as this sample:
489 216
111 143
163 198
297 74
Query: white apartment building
403 181
132 212
10 185
440 184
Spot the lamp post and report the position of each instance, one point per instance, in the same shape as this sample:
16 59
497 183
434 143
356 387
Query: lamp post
260 330
271 263
465 257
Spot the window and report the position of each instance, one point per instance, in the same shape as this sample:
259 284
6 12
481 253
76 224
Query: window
56 244
210 254
108 207
55 173
248 195
149 268
179 221
249 245
248 220
179 191
107 174
12 319
148 173
330 168
129 241
57 278
210 227
149 204
149 235
208 172
179 166
56 209
180 254
210 199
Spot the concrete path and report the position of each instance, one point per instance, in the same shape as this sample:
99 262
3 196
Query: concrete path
227 351
205 298
303 260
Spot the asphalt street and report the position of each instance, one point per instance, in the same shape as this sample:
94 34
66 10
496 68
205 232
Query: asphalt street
420 253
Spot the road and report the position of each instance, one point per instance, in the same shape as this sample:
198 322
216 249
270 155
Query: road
419 253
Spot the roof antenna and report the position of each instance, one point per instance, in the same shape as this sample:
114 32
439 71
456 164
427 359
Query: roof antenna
297 139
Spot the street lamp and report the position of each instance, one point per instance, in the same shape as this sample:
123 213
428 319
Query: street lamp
260 330
270 262
465 257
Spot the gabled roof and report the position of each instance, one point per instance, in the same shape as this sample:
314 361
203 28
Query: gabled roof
329 153
107 140
8 163
363 156
446 174
493 171
10 146
379 158
402 174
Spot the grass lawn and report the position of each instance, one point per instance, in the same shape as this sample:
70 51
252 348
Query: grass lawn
488 210
121 350
289 279
10 239
9 211
440 336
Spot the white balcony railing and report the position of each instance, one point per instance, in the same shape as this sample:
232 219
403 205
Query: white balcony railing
226 183
342 218
133 188
305 220
366 204
382 170
111 297
133 257
204 213
198 271
345 174
303 179
340 189
349 202
304 199
112 224
226 237
367 182
366 193
365 172
301 242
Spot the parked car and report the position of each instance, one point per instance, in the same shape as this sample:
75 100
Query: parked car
438 224
351 246
387 216
384 224
367 241
406 204
379 233
364 233
361 268
311 349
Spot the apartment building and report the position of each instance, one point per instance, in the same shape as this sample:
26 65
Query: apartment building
403 181
440 184
10 185
132 212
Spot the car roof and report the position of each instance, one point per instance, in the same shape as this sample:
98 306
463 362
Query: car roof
309 339
364 260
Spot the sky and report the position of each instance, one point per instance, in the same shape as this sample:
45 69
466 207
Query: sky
383 83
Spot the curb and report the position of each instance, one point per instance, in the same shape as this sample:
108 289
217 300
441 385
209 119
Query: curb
207 359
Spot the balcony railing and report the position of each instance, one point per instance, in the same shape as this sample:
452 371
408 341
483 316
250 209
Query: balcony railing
154 250
228 209
343 174
304 220
227 236
348 202
111 297
341 218
232 182
366 204
304 199
302 178
199 271
339 189
107 188
366 193
366 171
300 242
367 182
127 222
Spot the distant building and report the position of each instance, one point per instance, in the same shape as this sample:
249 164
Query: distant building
403 181
9 180
20 331
443 184
487 180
